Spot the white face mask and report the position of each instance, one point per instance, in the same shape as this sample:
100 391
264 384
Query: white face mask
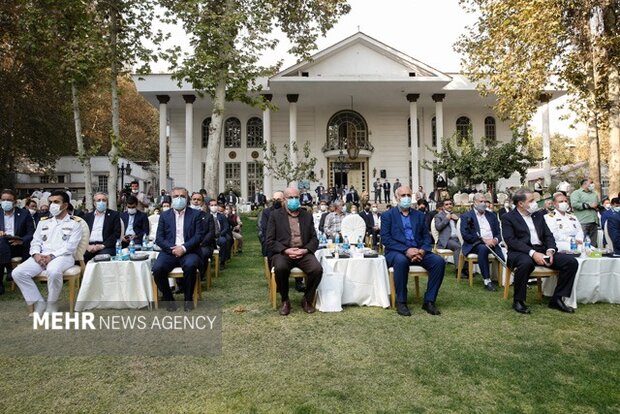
213 209
323 207
607 206
532 208
55 209
132 211
32 211
165 208
563 207
374 209
507 206
195 207
590 187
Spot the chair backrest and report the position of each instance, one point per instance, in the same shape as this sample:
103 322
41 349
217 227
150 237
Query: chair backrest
353 227
458 231
608 239
489 197
457 198
464 199
501 197
83 244
434 231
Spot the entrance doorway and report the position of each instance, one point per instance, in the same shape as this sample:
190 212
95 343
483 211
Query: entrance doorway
350 173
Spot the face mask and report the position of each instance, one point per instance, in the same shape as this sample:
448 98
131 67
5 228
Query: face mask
480 207
616 209
292 204
367 209
374 209
323 207
7 205
101 206
134 191
213 209
277 204
591 187
563 207
192 206
165 208
132 211
353 211
405 202
179 203
55 209
32 211
606 206
533 207
507 206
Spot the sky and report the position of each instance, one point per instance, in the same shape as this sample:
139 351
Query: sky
423 29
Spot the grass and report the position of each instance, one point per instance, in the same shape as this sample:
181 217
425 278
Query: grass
478 356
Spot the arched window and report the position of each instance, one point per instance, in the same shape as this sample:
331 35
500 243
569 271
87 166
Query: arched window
490 137
232 133
205 131
434 132
409 132
255 132
347 129
463 129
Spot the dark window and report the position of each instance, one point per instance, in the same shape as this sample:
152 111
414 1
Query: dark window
490 135
347 129
232 133
434 132
463 130
255 132
205 132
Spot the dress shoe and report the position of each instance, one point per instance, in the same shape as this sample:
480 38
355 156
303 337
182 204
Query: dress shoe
520 307
299 285
557 303
307 305
402 309
1 287
430 308
491 287
188 306
171 306
285 309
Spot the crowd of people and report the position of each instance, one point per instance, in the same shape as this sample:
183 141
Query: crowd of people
188 227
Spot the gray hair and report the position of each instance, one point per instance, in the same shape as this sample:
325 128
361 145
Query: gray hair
478 196
520 195
102 193
179 189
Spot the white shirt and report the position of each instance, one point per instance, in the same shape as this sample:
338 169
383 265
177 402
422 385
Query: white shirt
377 219
485 227
452 228
57 237
129 230
9 223
564 226
180 220
96 234
533 235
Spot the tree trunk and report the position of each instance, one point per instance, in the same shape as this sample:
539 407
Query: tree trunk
593 149
82 156
115 136
215 137
613 170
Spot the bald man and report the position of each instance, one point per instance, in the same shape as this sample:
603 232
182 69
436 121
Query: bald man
407 243
292 241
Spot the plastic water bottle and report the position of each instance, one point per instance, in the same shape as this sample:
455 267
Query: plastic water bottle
360 244
346 246
145 242
587 244
573 244
132 248
337 238
119 249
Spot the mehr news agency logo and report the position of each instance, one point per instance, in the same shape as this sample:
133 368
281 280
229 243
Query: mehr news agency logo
89 321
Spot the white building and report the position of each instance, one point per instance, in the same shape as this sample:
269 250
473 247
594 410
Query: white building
357 96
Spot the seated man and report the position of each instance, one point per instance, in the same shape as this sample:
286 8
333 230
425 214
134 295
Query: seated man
613 228
530 243
445 224
563 225
407 242
333 221
207 244
480 231
221 230
53 247
136 222
292 241
31 206
179 233
105 228
16 231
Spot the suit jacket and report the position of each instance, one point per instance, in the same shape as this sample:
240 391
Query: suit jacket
613 228
305 199
369 219
23 227
279 232
111 227
386 186
353 197
470 229
442 225
501 212
393 233
140 224
517 234
193 231
224 226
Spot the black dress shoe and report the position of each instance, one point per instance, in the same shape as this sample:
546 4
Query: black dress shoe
430 308
491 287
520 307
557 303
307 306
171 306
285 309
188 306
402 309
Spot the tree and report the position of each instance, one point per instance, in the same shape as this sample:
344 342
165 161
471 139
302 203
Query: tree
517 46
564 150
229 38
284 167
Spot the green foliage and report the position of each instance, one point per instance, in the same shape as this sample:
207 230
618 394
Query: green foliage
563 150
283 168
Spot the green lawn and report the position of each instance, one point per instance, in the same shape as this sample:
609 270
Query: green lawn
478 356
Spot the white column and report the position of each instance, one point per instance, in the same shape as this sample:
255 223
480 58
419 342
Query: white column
267 179
438 98
413 130
163 127
189 141
292 124
546 139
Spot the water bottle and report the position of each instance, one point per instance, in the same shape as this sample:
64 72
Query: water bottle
145 242
337 238
346 246
132 248
119 249
360 243
573 244
587 244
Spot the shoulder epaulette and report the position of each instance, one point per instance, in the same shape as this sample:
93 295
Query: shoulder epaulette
552 214
76 218
43 218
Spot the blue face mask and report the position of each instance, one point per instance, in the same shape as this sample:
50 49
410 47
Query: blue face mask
7 205
405 202
616 209
292 204
101 206
179 203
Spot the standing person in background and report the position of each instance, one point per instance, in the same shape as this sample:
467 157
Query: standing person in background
377 187
538 186
420 194
387 190
143 200
585 202
136 223
396 186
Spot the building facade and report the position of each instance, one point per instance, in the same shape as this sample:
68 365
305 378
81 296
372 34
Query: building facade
354 102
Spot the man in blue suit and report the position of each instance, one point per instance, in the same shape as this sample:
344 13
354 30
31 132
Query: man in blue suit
613 227
480 231
16 231
136 222
408 242
179 234
221 231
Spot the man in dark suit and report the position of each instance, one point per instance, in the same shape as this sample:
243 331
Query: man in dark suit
105 228
480 231
386 190
320 192
207 244
445 224
220 222
531 243
231 198
407 242
16 231
371 227
276 203
504 210
136 222
305 198
353 197
179 233
259 200
613 226
31 206
292 240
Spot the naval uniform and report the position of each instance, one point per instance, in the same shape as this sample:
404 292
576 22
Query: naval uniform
59 238
564 226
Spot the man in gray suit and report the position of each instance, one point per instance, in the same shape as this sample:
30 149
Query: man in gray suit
445 223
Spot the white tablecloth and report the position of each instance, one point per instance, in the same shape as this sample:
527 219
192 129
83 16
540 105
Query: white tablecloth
116 285
597 280
359 281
